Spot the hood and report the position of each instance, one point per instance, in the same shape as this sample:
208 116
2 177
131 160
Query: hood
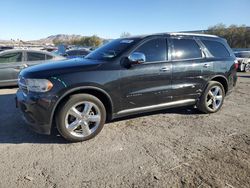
59 67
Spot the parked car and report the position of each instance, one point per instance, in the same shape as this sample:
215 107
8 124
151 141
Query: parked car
2 48
124 77
13 61
49 48
76 53
243 58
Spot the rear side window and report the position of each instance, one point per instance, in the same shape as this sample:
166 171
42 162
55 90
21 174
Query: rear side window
186 49
11 57
217 49
33 56
154 50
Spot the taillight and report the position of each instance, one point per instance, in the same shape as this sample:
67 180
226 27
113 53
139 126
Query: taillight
236 64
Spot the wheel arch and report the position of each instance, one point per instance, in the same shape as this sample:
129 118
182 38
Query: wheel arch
223 80
102 95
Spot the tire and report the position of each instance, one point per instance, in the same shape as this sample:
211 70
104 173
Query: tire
247 67
212 99
80 118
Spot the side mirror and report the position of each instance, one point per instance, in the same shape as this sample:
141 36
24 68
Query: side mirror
137 58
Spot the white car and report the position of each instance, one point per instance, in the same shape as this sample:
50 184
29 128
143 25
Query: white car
243 58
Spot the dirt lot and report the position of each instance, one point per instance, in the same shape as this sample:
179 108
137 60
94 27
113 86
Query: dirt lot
171 148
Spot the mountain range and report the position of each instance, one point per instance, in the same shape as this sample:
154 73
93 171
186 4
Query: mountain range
61 37
47 40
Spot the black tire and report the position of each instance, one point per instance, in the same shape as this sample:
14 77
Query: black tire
63 116
202 104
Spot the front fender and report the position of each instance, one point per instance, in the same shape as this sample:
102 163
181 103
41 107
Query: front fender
70 91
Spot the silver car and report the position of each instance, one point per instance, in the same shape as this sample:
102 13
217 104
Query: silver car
13 61
243 58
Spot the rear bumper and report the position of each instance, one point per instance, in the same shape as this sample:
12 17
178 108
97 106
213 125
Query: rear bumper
36 112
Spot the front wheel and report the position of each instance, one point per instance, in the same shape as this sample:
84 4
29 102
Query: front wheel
81 117
212 99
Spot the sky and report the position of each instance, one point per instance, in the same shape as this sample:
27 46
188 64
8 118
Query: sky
36 19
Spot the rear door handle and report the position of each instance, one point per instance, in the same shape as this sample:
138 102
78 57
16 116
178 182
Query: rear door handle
206 65
164 69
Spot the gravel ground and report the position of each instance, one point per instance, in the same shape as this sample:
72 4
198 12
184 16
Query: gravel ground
171 148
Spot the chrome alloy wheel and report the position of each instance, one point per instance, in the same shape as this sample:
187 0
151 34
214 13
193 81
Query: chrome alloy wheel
83 119
214 98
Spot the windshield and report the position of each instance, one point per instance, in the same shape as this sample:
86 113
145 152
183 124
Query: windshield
242 54
112 49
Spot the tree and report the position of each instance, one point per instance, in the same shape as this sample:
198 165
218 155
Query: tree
56 42
236 36
93 41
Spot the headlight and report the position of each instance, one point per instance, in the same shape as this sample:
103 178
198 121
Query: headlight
38 85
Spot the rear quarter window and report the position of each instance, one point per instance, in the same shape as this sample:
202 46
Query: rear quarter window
217 49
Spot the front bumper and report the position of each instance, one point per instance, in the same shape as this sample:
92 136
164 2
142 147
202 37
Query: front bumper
36 111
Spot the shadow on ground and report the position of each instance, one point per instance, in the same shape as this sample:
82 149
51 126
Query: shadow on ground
244 76
13 129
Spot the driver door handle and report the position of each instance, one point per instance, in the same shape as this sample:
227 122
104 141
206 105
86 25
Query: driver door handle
206 65
164 69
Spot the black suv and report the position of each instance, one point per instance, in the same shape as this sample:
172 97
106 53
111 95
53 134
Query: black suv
124 77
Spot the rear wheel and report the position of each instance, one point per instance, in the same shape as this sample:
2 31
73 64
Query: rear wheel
81 117
212 99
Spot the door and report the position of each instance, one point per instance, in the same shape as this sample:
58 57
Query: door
190 68
148 83
10 66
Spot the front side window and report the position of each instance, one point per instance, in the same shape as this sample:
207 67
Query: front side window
11 57
154 50
217 49
33 56
186 49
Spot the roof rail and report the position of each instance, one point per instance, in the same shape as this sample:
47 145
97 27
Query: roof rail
193 34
